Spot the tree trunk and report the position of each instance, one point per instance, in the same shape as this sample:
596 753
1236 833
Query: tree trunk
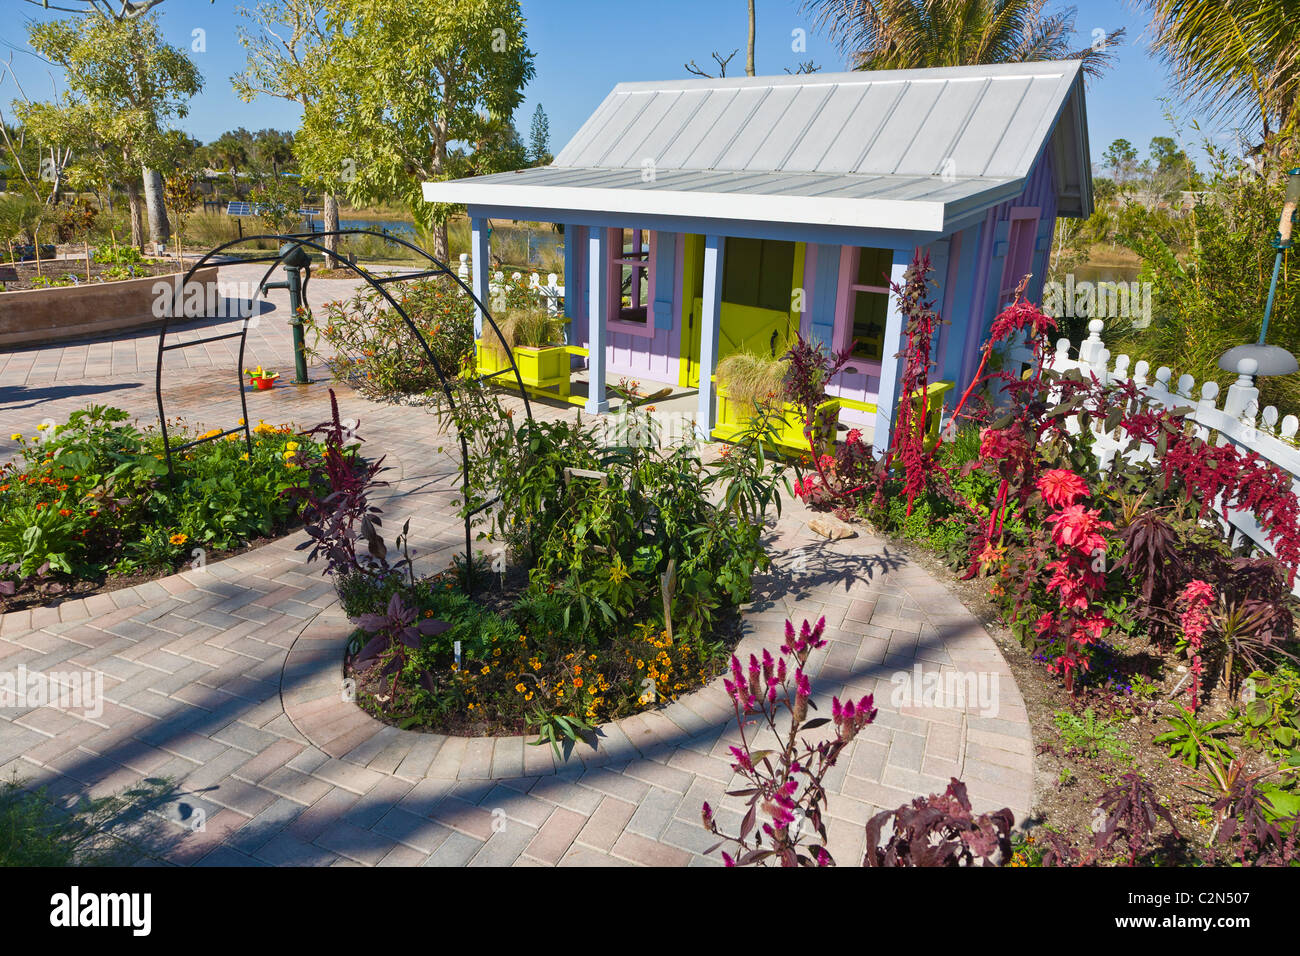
160 229
330 217
749 58
440 243
134 205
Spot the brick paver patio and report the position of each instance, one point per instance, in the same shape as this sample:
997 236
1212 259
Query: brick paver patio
226 679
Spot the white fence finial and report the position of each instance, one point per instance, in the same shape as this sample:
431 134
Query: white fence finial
1242 401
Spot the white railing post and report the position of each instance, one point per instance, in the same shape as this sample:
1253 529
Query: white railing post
1242 401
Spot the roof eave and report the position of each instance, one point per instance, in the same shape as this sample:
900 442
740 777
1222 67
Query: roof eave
919 215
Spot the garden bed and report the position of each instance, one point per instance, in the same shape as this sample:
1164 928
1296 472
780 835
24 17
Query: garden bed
1067 781
58 273
630 599
34 316
89 505
1157 659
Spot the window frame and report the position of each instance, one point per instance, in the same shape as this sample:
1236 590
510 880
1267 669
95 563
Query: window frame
642 259
850 259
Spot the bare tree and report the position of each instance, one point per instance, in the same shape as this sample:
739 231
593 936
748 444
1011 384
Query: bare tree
722 65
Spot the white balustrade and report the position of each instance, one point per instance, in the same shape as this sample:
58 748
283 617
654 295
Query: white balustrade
1238 421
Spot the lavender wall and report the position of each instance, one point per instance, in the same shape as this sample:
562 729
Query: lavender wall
1040 191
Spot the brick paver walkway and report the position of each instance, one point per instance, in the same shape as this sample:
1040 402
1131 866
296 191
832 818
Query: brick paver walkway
225 680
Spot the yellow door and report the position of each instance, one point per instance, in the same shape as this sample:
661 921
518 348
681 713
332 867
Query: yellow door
749 319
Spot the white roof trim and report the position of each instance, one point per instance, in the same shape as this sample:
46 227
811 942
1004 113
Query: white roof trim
803 210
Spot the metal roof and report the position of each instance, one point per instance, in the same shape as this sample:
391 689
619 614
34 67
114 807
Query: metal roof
913 149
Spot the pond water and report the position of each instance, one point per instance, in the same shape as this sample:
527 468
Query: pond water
1105 273
540 241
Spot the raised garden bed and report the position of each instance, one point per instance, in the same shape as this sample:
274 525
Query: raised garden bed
34 316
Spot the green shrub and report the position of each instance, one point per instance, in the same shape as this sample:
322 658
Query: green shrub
92 496
365 342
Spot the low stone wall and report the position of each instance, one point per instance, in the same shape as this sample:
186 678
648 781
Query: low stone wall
40 316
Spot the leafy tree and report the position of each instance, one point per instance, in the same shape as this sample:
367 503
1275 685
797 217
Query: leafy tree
1171 169
280 201
286 48
403 80
1210 272
497 147
125 85
911 34
273 151
1121 157
539 138
181 192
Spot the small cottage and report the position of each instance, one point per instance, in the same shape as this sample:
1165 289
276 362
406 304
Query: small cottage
705 216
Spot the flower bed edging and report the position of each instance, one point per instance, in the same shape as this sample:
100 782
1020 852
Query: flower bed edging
998 768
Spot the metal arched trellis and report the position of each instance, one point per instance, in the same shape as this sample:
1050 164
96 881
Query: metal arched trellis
291 247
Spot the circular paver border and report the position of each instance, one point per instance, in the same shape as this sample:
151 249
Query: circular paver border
314 697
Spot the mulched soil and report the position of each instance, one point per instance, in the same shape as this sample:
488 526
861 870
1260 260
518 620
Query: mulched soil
86 587
62 268
1068 784
499 593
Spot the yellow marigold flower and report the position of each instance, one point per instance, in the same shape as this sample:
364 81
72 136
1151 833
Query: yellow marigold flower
244 457
178 538
485 669
291 446
520 687
496 652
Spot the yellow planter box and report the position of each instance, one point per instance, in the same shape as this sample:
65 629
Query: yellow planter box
734 418
544 368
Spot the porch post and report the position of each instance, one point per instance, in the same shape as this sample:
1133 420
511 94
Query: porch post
891 367
572 281
714 250
481 262
597 303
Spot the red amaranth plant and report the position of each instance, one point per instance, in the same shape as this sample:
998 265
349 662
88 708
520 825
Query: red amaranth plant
786 784
1195 598
1077 574
908 442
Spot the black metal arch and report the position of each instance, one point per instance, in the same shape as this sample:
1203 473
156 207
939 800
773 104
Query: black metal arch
288 243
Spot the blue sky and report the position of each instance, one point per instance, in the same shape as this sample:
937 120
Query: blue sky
584 47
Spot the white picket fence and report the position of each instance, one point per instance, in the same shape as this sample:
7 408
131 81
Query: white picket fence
1239 421
551 291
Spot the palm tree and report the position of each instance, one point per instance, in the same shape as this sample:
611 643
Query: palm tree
912 34
1238 58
